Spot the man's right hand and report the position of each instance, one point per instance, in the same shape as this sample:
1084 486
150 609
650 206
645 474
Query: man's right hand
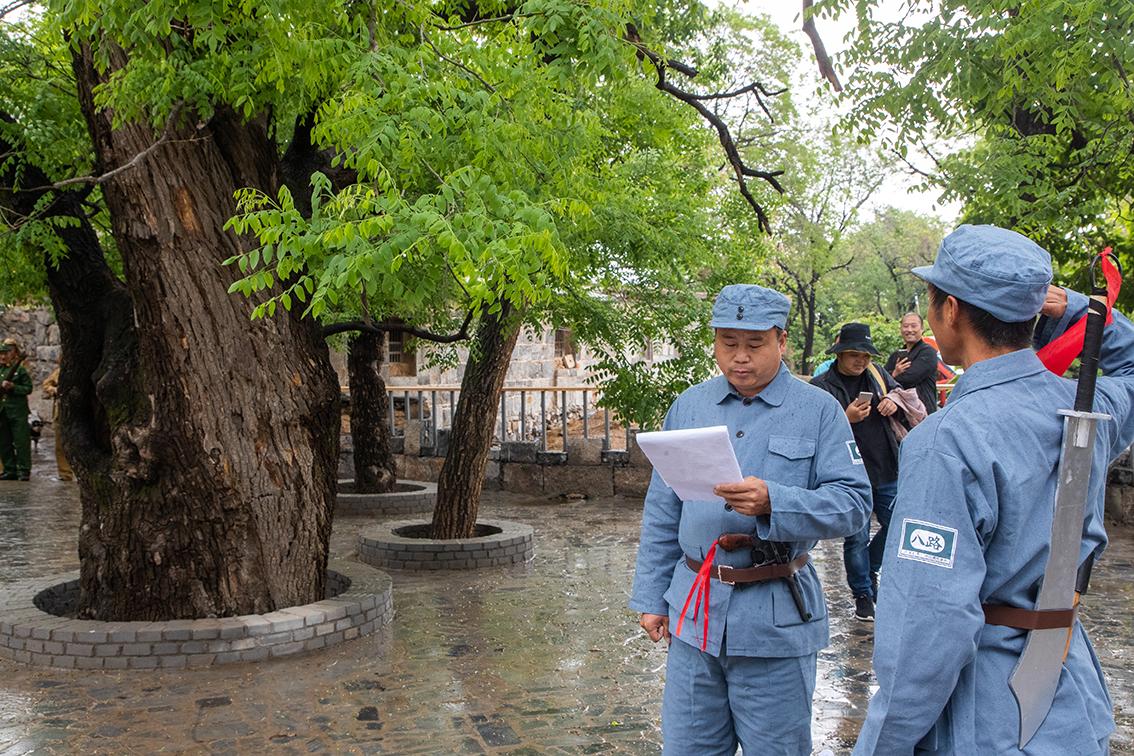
1055 303
856 412
656 626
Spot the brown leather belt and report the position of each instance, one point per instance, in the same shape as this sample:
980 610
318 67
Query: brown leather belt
740 575
1028 619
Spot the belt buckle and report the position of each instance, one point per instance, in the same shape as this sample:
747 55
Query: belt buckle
720 575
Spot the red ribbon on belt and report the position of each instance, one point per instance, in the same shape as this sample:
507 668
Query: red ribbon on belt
1058 355
701 588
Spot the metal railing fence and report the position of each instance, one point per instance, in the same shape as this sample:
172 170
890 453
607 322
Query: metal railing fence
542 414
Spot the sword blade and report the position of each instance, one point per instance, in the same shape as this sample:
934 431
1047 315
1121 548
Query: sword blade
1036 676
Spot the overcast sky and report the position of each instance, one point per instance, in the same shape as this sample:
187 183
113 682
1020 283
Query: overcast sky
897 191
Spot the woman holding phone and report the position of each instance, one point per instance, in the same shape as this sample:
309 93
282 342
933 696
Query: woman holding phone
861 388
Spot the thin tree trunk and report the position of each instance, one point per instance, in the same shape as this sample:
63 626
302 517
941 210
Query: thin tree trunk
462 475
808 319
374 468
205 444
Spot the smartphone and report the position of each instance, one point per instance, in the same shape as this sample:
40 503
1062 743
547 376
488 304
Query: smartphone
864 397
903 354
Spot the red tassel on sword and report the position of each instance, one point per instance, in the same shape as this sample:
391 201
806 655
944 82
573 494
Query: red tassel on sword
1058 355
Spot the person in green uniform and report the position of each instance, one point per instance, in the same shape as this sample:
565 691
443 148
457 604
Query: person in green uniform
15 438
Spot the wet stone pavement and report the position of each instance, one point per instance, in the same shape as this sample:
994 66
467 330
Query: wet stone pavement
539 659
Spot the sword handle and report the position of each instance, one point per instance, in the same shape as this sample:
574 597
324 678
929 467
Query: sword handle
1083 576
1092 344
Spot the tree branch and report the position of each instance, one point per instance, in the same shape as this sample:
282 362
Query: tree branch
456 63
913 168
380 328
480 21
821 57
13 6
137 159
868 192
724 135
841 266
754 88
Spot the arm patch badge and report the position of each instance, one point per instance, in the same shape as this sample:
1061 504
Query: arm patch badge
927 542
855 454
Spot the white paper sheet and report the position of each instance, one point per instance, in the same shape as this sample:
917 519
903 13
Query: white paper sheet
692 461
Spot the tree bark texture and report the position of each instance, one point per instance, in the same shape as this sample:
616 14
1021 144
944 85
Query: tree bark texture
205 443
374 468
461 479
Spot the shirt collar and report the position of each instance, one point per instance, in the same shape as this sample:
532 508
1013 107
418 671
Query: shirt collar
773 394
996 370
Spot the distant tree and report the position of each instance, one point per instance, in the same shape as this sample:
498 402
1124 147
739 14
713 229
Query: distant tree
878 282
825 196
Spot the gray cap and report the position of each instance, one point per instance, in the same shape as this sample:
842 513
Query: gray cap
1000 271
750 308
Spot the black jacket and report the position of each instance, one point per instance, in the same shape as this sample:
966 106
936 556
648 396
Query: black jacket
921 375
830 382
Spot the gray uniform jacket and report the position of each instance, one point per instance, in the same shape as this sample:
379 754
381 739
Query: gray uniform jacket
971 525
797 438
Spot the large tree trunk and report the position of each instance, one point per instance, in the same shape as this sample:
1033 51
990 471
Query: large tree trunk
374 468
205 444
462 475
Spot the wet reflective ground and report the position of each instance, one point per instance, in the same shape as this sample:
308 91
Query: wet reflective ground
538 659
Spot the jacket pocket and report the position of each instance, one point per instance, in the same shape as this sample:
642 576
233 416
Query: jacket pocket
789 460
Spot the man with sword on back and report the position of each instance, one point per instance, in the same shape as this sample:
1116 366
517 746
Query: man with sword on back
978 649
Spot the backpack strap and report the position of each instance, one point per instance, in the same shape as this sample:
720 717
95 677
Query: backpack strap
877 375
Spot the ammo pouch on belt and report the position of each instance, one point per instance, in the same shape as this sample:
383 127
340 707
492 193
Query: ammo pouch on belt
763 552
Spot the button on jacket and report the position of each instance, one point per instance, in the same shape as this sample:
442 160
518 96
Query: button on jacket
797 438
971 525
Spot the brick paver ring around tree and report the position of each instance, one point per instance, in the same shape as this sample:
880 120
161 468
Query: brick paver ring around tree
409 497
34 628
402 544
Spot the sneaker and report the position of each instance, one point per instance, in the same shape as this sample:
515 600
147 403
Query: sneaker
24 476
8 476
864 608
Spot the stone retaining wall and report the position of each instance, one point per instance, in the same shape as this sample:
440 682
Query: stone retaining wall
360 600
585 469
382 546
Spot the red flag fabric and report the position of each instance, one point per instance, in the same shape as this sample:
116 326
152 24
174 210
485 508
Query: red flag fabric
1058 355
701 588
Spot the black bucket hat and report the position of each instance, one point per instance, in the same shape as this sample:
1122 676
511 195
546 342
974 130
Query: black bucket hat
853 337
